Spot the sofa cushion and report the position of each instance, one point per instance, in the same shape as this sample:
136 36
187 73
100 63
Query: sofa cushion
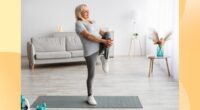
49 44
50 55
73 42
77 53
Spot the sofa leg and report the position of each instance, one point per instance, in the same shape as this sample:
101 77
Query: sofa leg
32 66
29 66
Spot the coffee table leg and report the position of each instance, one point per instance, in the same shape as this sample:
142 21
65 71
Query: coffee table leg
150 66
167 67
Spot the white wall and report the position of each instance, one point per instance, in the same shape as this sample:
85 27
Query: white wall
41 18
175 43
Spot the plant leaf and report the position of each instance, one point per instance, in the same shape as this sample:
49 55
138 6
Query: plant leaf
167 36
155 36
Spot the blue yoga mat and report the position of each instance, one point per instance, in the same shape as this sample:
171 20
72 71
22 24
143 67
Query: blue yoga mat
80 102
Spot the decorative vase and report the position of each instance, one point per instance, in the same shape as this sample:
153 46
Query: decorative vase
160 52
59 29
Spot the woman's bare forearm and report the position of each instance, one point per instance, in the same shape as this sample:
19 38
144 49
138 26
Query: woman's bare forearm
93 38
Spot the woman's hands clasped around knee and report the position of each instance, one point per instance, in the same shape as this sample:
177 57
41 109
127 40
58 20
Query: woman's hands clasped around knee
108 43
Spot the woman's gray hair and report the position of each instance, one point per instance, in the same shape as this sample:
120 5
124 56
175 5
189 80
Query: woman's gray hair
78 11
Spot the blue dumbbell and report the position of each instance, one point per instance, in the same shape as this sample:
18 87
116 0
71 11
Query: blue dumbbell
23 102
41 106
44 105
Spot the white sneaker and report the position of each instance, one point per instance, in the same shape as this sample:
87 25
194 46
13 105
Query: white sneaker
105 64
91 100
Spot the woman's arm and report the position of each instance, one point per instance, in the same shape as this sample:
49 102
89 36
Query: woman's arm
91 37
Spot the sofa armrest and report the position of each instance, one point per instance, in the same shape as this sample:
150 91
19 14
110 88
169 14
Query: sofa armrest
31 53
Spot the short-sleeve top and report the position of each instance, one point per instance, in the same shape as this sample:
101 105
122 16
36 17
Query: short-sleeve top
89 47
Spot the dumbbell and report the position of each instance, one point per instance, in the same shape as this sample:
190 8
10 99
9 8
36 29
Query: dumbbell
24 103
42 106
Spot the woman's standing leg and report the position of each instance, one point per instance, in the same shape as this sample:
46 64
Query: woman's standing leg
91 64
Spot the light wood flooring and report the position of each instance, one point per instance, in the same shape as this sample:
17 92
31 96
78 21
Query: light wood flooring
128 76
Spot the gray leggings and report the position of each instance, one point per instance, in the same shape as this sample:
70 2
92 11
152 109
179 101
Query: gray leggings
91 63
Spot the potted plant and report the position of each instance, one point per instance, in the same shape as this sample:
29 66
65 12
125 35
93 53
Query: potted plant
160 41
135 35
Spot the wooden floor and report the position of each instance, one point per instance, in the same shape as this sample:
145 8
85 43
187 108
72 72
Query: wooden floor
128 76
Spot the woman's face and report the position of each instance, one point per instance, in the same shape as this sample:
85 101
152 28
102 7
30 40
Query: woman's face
85 13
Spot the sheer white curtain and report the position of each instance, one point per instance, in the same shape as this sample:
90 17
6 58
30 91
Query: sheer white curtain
162 15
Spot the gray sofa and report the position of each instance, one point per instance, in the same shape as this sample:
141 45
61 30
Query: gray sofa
62 47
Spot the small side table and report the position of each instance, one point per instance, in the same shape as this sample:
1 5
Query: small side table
133 41
152 58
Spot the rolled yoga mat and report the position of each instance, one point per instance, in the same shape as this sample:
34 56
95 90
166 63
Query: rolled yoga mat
80 102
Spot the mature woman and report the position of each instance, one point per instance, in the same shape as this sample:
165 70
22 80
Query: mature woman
95 41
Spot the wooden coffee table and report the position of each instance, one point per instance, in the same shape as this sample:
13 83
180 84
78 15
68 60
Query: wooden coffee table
152 58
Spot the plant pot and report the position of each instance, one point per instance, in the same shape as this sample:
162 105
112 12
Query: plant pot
160 51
